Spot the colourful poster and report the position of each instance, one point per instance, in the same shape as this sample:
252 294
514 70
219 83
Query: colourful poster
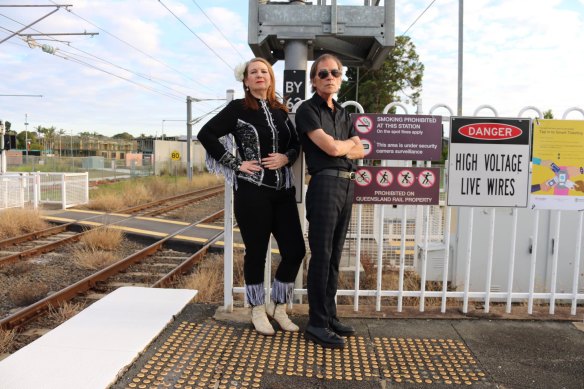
557 179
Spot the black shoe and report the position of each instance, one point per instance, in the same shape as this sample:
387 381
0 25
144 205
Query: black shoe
340 328
324 336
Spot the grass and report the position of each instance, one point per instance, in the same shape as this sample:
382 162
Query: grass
207 279
26 292
104 238
87 258
6 340
18 221
127 193
65 311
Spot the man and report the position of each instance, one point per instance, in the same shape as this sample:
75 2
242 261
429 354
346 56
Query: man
330 143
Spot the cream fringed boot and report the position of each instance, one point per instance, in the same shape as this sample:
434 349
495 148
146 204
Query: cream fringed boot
278 313
260 320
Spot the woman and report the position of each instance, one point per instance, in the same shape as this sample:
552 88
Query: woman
264 199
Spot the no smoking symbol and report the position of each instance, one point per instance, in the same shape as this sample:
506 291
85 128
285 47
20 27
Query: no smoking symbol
364 124
427 179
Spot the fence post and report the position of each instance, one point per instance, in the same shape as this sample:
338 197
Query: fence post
63 192
86 197
36 190
228 239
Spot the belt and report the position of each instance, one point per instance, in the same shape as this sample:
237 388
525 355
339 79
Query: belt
336 173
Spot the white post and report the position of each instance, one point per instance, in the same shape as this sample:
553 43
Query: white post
379 258
63 191
86 187
425 264
36 190
468 262
402 259
446 258
490 261
533 260
556 252
358 253
511 270
577 265
228 239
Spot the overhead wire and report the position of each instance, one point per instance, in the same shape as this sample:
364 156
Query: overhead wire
138 49
418 18
73 58
198 37
405 32
219 30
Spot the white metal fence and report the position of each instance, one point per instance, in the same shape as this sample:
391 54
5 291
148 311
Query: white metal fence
447 257
33 189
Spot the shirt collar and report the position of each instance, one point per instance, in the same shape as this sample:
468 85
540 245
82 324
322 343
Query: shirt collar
321 102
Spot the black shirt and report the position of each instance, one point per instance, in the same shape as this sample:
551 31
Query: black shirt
313 114
257 133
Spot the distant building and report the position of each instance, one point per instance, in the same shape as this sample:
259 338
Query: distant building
94 146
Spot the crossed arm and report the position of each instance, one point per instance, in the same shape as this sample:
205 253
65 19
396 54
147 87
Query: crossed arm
351 148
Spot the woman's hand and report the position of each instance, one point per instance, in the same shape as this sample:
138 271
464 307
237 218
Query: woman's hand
250 167
275 161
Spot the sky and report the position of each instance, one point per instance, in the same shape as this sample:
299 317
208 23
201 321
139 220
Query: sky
150 54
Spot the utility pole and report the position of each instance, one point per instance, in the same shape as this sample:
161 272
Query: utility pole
460 55
2 152
26 135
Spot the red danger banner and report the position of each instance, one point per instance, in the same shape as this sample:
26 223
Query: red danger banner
397 185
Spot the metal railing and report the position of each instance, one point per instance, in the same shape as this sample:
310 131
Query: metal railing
33 189
446 255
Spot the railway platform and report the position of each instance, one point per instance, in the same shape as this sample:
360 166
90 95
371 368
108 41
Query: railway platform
157 338
153 227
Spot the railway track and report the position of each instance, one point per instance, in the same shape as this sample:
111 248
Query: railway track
33 244
155 265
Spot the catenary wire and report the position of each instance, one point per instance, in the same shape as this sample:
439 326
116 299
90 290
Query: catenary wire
418 18
219 30
72 57
139 50
195 34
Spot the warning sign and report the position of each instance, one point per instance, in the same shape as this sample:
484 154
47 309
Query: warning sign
488 162
400 137
396 185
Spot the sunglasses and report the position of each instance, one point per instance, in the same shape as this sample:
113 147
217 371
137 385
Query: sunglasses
324 73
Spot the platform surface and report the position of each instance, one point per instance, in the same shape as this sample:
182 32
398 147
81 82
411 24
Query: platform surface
89 350
199 351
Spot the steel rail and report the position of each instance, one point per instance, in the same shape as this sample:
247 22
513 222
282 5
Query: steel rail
182 203
194 259
158 202
34 235
64 227
26 314
51 246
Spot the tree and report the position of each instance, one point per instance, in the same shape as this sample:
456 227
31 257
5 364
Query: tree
401 74
123 135
548 114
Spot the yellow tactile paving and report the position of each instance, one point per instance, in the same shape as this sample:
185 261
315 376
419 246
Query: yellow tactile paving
212 355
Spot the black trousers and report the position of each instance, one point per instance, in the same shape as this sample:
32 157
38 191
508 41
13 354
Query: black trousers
261 211
329 201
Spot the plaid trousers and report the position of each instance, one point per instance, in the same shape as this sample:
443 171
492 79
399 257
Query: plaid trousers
329 201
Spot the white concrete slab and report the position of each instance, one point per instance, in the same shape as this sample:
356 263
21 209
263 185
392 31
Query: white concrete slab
89 350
